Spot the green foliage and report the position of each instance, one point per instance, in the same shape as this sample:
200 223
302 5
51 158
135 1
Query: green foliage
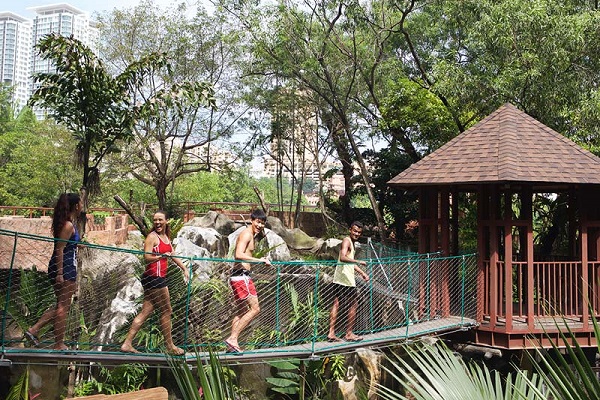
6 109
398 208
124 378
566 370
34 297
215 380
436 372
262 249
86 333
175 225
301 324
85 98
20 390
35 164
306 379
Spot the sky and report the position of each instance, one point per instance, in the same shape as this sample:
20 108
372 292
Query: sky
20 6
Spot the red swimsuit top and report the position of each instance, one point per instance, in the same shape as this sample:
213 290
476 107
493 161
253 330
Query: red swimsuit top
159 267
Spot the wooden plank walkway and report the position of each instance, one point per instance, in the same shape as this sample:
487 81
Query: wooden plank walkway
20 355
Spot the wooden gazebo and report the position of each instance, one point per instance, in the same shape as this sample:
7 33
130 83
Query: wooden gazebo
502 165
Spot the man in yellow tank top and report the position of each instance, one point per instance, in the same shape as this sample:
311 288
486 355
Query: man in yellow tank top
344 285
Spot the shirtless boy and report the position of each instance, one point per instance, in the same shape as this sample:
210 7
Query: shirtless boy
246 298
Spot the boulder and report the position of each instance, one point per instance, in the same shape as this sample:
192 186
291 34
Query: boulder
371 362
275 224
202 267
297 239
207 238
121 307
330 249
215 220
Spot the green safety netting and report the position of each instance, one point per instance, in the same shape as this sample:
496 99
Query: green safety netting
405 289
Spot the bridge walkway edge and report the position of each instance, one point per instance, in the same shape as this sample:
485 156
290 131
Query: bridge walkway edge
18 355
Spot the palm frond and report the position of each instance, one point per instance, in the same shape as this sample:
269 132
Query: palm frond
434 372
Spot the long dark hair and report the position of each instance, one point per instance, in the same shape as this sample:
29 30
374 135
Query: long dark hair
62 211
167 226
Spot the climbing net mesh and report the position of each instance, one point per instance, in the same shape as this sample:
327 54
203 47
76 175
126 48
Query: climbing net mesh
295 297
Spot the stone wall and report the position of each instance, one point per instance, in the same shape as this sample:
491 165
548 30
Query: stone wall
36 251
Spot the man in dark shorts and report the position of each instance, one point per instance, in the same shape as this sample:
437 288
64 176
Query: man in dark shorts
344 285
244 292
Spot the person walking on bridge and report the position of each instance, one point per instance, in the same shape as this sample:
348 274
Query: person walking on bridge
157 250
62 269
244 291
344 285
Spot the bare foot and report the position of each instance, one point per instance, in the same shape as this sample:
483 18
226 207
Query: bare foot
61 347
334 339
127 348
353 338
176 351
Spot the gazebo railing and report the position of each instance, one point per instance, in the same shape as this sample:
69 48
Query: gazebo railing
512 295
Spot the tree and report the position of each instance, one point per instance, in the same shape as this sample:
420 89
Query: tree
311 46
34 165
182 137
93 105
6 110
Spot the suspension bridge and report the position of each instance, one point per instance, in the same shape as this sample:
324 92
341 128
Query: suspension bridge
408 296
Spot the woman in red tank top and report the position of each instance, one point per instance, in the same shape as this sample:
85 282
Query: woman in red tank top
157 250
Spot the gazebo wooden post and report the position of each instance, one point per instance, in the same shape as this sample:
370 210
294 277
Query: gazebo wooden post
583 226
445 221
508 257
528 211
454 223
434 270
445 246
572 228
422 224
424 228
494 256
434 220
482 298
526 215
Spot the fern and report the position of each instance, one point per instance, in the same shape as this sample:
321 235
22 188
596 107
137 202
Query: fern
20 390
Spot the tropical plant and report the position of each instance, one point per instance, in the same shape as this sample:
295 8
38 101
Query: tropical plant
95 106
20 390
571 375
262 248
34 296
306 379
434 372
305 315
216 381
121 379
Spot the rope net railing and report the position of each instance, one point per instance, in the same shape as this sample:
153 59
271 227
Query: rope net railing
295 298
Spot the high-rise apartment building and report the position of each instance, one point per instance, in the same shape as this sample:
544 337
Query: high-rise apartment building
20 35
15 53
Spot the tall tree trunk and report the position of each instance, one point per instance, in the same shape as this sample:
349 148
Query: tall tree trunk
367 182
161 195
341 146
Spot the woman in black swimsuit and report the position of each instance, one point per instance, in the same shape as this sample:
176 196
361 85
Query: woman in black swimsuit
62 269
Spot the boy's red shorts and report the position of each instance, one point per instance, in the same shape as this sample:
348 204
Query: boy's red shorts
243 287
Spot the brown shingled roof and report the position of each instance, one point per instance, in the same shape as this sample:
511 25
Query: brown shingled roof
506 146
